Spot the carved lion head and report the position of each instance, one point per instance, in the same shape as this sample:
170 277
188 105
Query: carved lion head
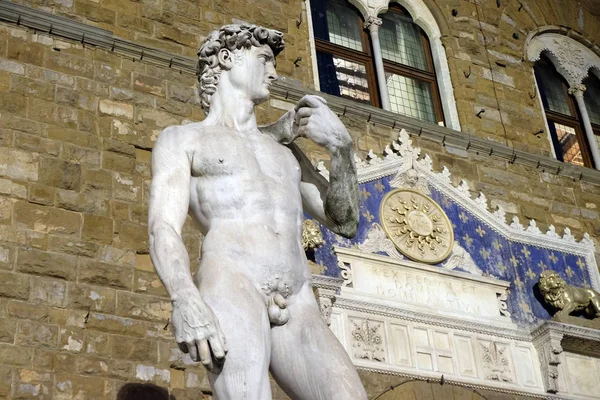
311 235
551 282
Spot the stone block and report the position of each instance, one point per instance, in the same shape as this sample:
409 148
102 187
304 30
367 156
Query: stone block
71 339
13 103
5 382
16 355
116 162
60 174
8 328
133 236
30 87
144 263
81 202
116 325
25 51
74 246
150 308
36 334
15 286
77 99
105 367
48 264
73 386
12 66
149 283
97 273
36 144
18 164
135 349
52 292
7 257
97 229
41 194
116 109
93 298
31 384
149 84
46 75
26 310
97 343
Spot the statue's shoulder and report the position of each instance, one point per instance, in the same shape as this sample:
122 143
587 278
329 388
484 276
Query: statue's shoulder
180 136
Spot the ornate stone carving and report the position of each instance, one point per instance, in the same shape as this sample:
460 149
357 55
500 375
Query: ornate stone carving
367 340
345 273
496 364
411 179
326 305
417 225
567 298
461 259
372 23
502 306
572 59
548 345
312 237
377 241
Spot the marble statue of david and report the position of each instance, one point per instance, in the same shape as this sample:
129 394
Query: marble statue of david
250 309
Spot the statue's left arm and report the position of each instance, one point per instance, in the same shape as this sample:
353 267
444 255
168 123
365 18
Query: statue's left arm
335 203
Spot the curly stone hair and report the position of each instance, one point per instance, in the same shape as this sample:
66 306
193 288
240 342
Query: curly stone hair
231 37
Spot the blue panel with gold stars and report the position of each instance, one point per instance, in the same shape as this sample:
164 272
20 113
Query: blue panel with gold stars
496 255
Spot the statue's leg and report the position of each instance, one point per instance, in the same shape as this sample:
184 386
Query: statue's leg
307 360
242 315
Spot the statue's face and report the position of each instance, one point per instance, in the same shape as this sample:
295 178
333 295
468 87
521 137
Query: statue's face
253 72
412 177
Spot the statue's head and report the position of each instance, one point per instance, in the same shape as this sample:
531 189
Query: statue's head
550 281
247 53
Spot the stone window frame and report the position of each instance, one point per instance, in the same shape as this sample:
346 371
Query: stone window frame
574 62
422 17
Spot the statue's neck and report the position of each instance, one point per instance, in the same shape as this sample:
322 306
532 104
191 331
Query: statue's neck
232 108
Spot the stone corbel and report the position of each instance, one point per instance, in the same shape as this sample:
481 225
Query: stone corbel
547 342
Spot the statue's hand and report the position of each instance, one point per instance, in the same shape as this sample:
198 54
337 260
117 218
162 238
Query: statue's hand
197 330
317 122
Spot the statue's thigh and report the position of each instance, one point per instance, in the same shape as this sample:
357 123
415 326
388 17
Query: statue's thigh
308 361
243 319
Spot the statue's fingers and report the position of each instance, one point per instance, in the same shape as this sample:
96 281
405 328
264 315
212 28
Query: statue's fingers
204 352
303 113
224 343
310 101
303 121
217 348
192 350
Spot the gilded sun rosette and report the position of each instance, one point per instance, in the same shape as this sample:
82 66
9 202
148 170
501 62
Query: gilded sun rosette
417 225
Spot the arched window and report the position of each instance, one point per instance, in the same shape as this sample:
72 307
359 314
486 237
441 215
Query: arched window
566 125
562 114
347 67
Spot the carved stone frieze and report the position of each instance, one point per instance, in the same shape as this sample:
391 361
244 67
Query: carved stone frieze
367 340
496 362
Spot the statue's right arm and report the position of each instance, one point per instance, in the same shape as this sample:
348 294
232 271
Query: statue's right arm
196 328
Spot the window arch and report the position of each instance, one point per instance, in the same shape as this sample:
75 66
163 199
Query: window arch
569 92
410 60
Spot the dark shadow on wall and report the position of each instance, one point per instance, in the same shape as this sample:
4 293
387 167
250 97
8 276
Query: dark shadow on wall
143 391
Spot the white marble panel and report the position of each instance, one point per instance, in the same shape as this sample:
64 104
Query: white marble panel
465 356
400 345
524 366
583 374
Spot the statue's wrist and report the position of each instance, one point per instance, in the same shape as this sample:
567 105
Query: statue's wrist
341 149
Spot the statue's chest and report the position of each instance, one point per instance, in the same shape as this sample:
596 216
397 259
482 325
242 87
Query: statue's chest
237 154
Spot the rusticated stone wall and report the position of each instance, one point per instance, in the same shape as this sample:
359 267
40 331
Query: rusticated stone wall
82 312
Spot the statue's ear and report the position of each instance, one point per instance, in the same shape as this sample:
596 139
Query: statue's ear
225 59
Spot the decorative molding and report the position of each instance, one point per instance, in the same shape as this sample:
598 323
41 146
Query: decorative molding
46 23
401 151
572 59
460 258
